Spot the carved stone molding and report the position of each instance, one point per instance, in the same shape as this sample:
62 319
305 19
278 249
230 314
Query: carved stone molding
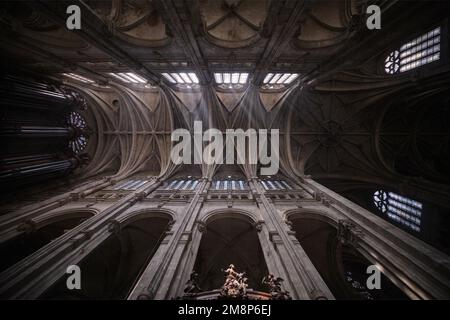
257 198
170 225
160 205
140 196
318 196
114 226
274 237
144 296
75 196
76 100
274 284
289 224
258 225
186 237
327 202
64 201
201 226
349 232
81 237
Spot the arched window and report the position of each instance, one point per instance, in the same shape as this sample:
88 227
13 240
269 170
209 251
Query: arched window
392 63
415 53
400 209
229 185
79 141
183 80
129 185
277 81
230 80
275 185
184 184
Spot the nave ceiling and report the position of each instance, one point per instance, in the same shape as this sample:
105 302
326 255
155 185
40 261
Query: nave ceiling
335 120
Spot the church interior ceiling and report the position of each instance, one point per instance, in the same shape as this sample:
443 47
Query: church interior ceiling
310 69
335 122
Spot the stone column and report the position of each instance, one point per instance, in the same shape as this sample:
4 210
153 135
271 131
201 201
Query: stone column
165 278
301 277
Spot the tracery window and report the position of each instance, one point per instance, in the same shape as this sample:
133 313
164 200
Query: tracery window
415 53
275 81
400 209
231 80
183 184
128 77
78 77
79 142
392 63
130 184
275 185
186 80
229 185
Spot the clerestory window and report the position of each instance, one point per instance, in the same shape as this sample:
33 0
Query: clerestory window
415 53
400 209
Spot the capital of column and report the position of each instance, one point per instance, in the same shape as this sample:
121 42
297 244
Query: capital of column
258 225
201 226
114 226
349 232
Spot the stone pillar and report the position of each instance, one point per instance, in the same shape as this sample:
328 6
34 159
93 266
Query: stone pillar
301 277
165 278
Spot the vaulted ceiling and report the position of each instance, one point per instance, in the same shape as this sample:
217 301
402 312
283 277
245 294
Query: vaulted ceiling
154 36
341 120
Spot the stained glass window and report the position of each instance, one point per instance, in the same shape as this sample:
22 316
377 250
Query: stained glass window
231 80
275 185
229 185
400 209
186 80
184 184
129 184
392 63
274 81
79 142
415 53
